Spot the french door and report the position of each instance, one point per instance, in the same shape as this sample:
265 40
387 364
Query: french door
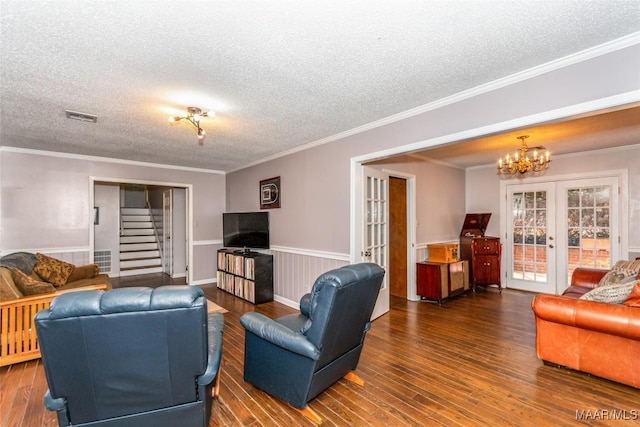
375 233
591 209
554 227
530 237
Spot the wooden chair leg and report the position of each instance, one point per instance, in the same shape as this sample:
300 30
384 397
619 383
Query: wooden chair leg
310 414
354 378
215 391
313 415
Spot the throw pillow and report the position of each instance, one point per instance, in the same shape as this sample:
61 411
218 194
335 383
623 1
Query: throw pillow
613 294
29 286
623 271
8 289
633 300
53 270
88 271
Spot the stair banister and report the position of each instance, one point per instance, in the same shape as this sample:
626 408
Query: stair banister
155 230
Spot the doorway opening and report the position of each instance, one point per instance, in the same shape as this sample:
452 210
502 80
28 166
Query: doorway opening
141 228
384 215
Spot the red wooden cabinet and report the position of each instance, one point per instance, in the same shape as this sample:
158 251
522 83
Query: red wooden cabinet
485 258
440 280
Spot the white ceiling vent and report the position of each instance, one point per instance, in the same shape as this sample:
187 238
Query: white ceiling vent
81 116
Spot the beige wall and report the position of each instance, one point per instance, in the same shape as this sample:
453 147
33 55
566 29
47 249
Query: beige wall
440 202
311 184
315 211
46 201
316 182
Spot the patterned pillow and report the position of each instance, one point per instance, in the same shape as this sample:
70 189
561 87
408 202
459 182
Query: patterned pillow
53 270
28 285
633 300
623 271
613 294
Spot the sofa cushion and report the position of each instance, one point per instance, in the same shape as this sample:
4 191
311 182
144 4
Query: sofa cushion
100 279
28 286
576 291
633 300
8 289
613 294
88 271
53 270
622 272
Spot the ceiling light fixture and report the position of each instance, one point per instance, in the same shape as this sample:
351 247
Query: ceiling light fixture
521 163
194 114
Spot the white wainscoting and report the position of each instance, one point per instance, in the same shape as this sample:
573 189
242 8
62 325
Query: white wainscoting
295 270
75 256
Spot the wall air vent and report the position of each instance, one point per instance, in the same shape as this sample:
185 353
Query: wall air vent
74 115
103 260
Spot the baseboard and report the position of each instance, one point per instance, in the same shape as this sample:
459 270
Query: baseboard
203 282
286 302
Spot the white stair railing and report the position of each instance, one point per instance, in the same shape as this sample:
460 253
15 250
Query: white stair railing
155 231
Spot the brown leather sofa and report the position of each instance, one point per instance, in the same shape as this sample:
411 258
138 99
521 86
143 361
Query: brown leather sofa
594 337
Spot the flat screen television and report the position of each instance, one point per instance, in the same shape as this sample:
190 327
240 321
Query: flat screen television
246 230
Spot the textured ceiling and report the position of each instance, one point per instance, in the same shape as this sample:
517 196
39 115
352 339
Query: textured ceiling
279 74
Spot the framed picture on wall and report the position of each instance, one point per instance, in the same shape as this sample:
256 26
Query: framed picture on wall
270 194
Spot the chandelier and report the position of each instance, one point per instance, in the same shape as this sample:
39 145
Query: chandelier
521 163
194 114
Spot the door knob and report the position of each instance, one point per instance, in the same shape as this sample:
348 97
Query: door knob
551 246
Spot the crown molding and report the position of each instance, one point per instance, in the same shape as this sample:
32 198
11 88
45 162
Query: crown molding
557 64
32 151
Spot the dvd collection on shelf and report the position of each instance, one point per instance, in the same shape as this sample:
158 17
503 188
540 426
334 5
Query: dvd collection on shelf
239 275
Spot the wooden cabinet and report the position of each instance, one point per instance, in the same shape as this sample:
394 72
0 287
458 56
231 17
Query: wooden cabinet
439 280
474 226
485 257
246 275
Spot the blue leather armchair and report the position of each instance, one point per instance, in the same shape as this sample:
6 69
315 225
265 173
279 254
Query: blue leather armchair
296 357
130 357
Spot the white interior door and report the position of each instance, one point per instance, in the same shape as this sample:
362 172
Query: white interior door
167 232
375 233
531 237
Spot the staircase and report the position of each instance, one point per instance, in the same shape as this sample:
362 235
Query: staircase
139 250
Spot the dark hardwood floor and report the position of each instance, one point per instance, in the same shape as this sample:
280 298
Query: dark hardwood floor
470 362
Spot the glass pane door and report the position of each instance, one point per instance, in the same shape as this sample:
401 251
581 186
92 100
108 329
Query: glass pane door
376 229
376 236
590 212
553 228
531 238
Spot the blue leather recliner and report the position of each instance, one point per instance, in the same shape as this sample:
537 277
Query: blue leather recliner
130 357
296 357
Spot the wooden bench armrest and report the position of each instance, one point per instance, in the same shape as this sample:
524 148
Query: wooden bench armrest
49 296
